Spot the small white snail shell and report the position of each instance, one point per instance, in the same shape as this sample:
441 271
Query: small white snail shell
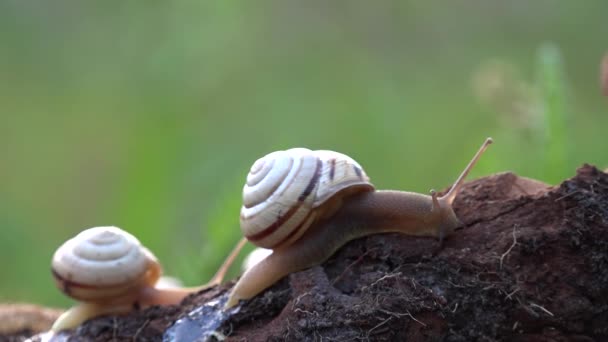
103 262
283 188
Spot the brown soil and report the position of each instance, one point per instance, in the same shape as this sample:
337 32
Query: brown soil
531 264
18 320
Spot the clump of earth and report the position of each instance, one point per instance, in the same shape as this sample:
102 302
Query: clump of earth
529 264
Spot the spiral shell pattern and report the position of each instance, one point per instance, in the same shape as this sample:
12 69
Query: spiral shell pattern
283 188
100 257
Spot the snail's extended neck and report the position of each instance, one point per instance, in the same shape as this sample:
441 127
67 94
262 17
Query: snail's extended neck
389 211
396 211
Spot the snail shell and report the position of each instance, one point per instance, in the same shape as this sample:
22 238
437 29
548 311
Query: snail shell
103 262
284 189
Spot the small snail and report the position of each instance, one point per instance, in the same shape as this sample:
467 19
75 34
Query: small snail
306 204
110 272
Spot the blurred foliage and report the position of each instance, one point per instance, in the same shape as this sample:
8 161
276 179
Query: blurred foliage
551 83
148 115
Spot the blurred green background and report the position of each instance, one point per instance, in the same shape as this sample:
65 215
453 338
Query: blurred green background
148 115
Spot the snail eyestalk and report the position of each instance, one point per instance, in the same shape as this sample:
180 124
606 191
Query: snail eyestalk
451 195
221 272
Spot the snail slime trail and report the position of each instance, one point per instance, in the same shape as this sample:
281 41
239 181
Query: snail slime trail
201 323
305 204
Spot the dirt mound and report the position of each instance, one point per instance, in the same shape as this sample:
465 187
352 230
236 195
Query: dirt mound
530 264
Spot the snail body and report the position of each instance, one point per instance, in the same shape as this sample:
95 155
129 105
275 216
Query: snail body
109 272
347 209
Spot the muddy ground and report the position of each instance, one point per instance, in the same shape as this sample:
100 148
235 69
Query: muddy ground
530 264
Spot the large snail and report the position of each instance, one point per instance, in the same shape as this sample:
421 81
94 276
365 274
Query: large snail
306 204
110 272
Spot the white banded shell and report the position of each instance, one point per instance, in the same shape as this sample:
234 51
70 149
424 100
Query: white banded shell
101 262
284 187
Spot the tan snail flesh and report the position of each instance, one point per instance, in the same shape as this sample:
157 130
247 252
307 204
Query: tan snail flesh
109 272
346 216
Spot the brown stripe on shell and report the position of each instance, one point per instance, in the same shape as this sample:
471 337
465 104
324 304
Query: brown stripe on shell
313 182
358 172
332 170
67 285
275 225
285 217
294 231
